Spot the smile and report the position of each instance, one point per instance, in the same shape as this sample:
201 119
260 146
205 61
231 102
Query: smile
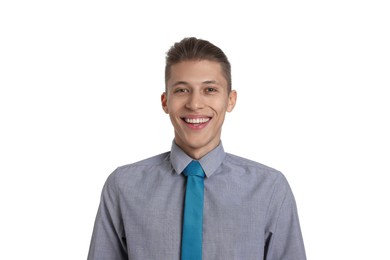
196 120
197 123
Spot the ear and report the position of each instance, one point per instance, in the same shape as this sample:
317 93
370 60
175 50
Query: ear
232 100
164 102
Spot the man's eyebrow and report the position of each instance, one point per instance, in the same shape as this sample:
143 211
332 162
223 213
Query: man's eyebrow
180 83
207 82
210 82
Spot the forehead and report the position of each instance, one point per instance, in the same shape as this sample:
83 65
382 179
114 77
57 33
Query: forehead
197 71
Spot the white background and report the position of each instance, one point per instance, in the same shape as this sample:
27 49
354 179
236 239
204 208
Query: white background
80 95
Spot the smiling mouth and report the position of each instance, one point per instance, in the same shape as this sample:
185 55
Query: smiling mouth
196 120
196 123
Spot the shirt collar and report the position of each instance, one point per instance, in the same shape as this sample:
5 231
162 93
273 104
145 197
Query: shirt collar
210 162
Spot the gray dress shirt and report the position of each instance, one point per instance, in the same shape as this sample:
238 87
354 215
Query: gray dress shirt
249 211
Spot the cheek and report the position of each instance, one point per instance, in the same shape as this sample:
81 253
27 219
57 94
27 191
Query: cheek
222 107
175 105
174 109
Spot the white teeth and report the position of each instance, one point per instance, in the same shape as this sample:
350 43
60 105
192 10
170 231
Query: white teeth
196 120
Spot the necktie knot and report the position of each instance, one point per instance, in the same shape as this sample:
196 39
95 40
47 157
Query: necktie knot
194 169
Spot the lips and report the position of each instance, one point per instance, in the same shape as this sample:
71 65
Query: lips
196 122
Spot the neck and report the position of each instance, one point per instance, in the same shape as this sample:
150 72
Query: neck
197 153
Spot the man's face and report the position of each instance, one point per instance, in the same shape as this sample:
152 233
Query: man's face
196 101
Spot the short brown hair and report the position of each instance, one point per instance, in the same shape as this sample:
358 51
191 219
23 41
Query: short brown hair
197 49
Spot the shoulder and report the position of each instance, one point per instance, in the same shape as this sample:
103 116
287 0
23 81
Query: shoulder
248 164
255 171
157 162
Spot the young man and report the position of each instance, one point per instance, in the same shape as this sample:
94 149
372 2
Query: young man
196 200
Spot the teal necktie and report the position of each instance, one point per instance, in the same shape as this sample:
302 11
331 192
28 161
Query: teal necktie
191 243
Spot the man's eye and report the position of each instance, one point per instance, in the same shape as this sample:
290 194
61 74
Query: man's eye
181 90
211 90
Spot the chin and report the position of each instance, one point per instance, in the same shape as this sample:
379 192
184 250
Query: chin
200 144
195 143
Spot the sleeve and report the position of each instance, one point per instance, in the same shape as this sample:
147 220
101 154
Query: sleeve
283 236
108 238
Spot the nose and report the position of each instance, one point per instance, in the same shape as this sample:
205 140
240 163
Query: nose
195 101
